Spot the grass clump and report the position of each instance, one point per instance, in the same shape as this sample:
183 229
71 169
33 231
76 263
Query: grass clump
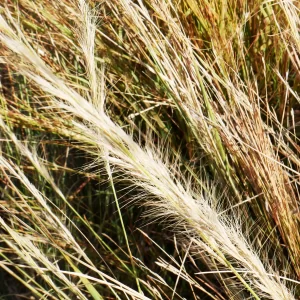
149 149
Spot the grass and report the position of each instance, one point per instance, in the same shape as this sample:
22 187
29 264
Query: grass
150 149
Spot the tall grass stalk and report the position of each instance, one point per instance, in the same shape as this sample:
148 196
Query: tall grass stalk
196 73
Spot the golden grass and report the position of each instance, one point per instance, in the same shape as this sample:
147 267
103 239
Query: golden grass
189 108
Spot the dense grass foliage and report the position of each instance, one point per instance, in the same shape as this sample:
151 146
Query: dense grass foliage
149 149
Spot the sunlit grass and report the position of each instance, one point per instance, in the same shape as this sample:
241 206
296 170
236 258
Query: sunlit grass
149 149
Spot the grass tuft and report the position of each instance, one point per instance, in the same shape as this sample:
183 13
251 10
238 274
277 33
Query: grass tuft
150 149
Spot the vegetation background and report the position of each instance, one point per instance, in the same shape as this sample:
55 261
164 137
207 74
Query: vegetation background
149 149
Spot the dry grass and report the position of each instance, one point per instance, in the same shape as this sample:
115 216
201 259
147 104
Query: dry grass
189 108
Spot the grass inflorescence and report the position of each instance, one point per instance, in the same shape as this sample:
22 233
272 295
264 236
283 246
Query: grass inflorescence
149 149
